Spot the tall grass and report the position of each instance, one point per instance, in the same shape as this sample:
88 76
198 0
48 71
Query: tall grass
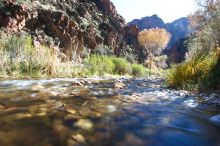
193 74
19 58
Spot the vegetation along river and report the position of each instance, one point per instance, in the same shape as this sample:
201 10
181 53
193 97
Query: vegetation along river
104 112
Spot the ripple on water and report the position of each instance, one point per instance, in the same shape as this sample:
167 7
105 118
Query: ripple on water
191 103
111 108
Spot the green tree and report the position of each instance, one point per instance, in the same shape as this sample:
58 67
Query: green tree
205 22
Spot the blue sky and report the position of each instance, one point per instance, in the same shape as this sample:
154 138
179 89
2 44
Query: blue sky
168 10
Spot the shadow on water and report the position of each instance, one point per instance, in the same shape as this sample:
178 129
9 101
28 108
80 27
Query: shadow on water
91 112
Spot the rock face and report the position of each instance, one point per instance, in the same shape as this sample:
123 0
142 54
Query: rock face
177 52
72 25
131 38
179 29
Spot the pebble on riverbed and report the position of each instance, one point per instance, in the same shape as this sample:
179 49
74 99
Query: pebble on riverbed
111 108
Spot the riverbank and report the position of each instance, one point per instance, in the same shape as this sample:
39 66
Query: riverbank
117 82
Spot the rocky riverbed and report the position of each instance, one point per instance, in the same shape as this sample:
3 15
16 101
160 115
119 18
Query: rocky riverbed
105 112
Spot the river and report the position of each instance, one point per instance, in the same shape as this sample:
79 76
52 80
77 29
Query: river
101 112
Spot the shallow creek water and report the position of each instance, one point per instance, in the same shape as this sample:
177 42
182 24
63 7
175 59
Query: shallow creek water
83 112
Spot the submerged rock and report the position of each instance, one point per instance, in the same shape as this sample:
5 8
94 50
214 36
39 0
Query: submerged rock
72 142
214 95
84 124
215 120
60 130
23 115
1 107
59 105
190 103
78 83
71 111
37 87
41 114
78 138
111 108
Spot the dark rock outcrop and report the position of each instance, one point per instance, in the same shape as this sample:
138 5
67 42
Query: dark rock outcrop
131 38
148 22
177 53
72 25
179 29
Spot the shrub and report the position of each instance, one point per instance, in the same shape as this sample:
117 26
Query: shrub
138 70
122 66
192 74
99 65
20 58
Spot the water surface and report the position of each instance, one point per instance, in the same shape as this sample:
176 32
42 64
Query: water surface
81 112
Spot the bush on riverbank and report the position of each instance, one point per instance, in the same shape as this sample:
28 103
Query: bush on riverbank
19 58
194 74
101 65
201 71
138 70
